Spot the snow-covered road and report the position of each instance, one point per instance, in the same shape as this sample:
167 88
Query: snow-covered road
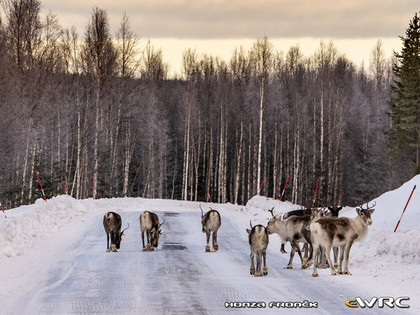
80 277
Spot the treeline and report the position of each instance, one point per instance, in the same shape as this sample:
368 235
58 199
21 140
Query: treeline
99 115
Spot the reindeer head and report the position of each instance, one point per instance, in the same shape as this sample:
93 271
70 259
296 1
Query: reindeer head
119 237
155 232
365 214
335 210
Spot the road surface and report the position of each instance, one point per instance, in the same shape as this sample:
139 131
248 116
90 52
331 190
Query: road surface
178 278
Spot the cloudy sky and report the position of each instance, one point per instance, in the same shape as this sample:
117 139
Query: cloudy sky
218 26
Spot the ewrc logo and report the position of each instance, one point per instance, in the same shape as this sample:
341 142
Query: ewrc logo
382 302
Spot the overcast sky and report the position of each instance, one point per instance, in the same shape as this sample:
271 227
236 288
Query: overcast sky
218 26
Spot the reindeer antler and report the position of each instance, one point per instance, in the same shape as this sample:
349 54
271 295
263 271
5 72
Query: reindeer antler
202 213
250 223
367 205
272 211
128 225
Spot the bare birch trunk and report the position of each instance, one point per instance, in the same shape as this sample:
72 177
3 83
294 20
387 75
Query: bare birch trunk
197 160
175 171
96 143
25 161
238 164
221 156
210 163
260 134
186 158
127 158
32 171
321 145
275 161
249 162
117 134
76 178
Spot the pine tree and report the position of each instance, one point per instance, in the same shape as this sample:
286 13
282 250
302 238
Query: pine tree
404 137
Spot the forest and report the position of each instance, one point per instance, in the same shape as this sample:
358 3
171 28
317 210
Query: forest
96 115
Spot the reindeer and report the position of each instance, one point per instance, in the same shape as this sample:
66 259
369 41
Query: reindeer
334 210
293 230
299 212
343 232
258 242
149 223
210 223
112 225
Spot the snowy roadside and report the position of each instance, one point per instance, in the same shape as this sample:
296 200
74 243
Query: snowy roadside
384 263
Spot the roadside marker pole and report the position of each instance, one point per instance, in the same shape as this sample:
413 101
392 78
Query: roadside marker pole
404 209
261 186
341 198
65 188
316 189
208 193
282 193
42 190
3 210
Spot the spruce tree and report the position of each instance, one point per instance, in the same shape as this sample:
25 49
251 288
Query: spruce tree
404 140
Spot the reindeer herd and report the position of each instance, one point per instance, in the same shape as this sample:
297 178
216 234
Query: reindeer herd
320 230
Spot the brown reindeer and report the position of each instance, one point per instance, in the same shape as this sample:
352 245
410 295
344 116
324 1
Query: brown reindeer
343 232
112 225
149 224
210 223
258 242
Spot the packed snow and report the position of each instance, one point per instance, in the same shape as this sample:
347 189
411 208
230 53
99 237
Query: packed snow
388 261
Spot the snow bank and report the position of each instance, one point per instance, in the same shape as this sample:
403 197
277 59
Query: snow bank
27 224
382 247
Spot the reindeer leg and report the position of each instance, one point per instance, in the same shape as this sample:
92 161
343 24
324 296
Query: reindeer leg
113 246
297 248
327 256
311 256
302 263
258 273
252 269
323 259
282 250
292 254
149 245
346 259
335 251
305 248
340 266
142 239
316 250
107 242
215 246
265 270
208 241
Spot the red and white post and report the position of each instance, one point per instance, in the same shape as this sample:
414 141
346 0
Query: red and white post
3 210
42 189
208 193
261 186
316 189
285 185
341 198
65 188
404 209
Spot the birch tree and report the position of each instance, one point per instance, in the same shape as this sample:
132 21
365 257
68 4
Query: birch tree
262 61
99 45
